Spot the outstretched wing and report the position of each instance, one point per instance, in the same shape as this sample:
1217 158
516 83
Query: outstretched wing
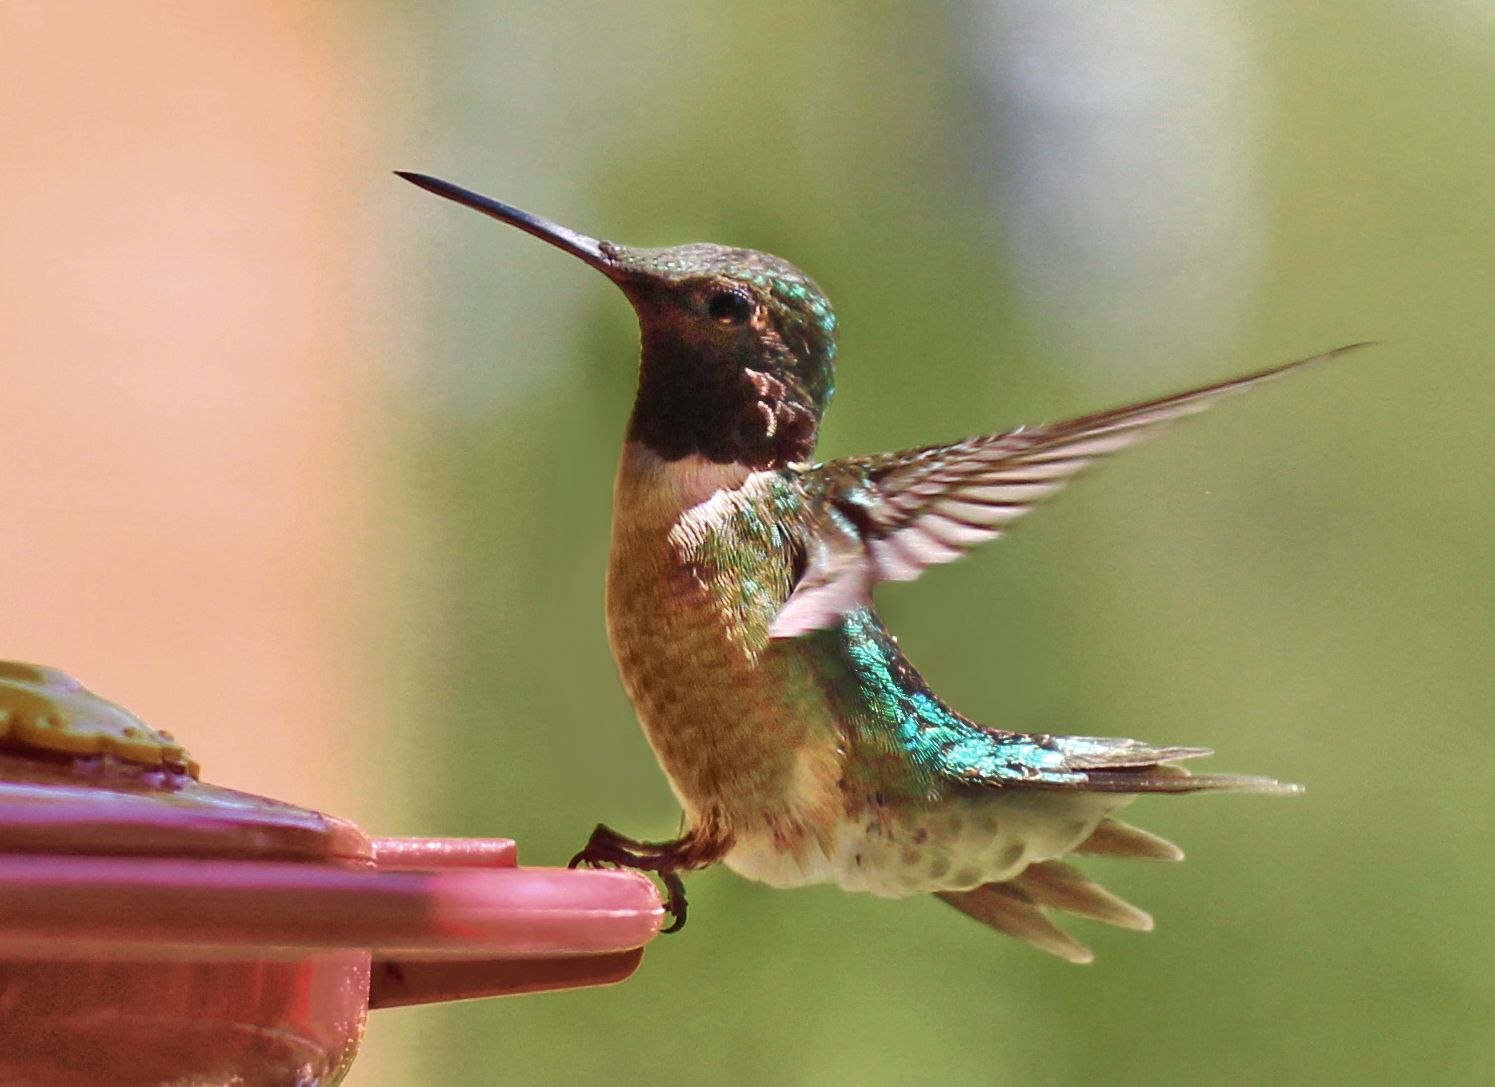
886 518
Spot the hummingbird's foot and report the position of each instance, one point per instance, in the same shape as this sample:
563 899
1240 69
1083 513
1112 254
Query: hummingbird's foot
666 860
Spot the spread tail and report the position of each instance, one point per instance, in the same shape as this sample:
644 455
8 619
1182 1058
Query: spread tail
1018 907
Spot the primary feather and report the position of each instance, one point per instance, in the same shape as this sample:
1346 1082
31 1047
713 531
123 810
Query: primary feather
888 517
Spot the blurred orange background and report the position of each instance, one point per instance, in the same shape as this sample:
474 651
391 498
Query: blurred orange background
186 390
181 385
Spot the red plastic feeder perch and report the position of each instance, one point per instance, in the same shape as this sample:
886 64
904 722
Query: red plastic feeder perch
154 929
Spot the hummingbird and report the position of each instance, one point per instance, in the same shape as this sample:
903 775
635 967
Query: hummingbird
801 743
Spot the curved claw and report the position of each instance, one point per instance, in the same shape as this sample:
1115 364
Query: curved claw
675 904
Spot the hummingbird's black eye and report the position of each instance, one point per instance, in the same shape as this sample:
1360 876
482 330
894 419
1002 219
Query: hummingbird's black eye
730 306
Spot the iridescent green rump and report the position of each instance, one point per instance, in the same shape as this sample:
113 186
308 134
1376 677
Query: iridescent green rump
908 742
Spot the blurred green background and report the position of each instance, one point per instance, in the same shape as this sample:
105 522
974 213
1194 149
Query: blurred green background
1021 210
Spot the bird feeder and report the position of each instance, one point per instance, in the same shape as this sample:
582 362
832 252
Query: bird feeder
157 929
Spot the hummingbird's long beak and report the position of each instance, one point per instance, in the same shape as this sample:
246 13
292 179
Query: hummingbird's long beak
599 254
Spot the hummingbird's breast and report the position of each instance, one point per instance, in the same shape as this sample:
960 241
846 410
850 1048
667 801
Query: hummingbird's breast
702 559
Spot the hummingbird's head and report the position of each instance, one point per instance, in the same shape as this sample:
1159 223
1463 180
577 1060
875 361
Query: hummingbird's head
738 350
738 346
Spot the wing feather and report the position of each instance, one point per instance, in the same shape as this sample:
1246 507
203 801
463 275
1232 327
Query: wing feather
889 517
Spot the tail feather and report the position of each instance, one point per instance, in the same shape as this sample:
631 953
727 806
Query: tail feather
1113 838
1174 779
1064 887
1119 753
1108 764
1007 909
1017 907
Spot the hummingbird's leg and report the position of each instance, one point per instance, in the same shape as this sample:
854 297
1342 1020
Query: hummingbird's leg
606 847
